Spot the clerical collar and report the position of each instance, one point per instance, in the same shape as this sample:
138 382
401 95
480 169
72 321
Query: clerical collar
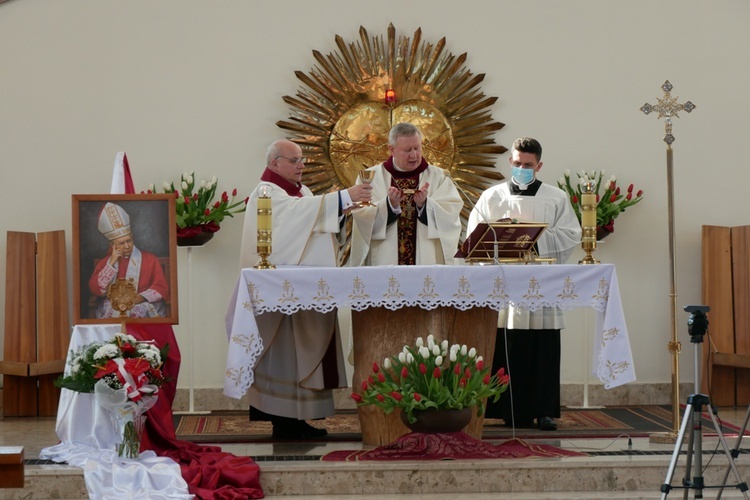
529 190
292 189
400 174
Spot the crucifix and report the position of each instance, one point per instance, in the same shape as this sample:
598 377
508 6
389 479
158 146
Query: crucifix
667 107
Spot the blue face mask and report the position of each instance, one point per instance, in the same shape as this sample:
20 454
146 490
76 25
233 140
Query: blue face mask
523 176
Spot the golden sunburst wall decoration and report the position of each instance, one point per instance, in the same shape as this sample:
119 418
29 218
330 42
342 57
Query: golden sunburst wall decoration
341 121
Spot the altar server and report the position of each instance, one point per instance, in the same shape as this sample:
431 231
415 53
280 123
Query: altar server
533 338
416 217
302 358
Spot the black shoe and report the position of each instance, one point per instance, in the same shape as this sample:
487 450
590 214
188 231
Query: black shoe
546 424
297 430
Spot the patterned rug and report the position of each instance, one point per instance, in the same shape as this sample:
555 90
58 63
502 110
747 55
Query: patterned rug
610 422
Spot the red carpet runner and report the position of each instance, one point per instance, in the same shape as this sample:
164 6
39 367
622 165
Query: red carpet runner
449 446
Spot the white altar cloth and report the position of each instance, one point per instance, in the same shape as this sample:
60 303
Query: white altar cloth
87 440
291 289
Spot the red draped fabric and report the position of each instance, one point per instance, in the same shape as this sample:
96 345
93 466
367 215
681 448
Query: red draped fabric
210 473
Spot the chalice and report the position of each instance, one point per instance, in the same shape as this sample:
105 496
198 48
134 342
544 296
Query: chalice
366 177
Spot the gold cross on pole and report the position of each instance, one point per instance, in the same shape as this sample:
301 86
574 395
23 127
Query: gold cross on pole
667 107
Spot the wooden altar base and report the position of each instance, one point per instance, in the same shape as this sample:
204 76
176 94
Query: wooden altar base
379 333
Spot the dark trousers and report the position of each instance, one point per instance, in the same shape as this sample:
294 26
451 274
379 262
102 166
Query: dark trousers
533 361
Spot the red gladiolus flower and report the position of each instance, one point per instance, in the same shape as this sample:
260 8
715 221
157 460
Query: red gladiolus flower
404 372
630 188
417 397
486 378
375 368
480 365
436 372
356 397
613 198
380 398
396 395
422 368
381 377
639 193
234 192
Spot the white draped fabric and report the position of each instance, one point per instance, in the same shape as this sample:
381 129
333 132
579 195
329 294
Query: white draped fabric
87 440
531 287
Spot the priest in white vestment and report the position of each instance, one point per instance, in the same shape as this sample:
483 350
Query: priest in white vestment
302 359
416 217
533 338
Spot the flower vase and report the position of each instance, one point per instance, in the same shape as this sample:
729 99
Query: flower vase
196 240
128 430
438 421
602 232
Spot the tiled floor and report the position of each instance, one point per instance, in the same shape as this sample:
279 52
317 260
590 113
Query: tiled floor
35 434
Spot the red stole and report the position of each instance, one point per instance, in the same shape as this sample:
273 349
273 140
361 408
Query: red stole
292 189
407 221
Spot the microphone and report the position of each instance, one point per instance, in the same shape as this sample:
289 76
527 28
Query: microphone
495 258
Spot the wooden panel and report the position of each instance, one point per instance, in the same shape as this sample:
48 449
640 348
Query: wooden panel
735 360
717 293
11 467
19 393
53 325
379 333
741 280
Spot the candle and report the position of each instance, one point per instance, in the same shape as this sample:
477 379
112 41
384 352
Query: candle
588 214
264 211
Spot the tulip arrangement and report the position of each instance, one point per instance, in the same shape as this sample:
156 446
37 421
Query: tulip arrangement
197 211
431 375
609 204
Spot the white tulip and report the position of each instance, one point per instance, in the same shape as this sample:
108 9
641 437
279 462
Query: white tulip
184 186
436 350
438 361
472 352
190 179
424 352
401 357
463 350
567 172
409 358
387 363
166 186
203 184
453 356
214 180
444 345
419 342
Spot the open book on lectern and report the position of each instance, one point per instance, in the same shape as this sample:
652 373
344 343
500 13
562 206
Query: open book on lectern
505 240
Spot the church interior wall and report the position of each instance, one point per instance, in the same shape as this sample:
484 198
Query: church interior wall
186 85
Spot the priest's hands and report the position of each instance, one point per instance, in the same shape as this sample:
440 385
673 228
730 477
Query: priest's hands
395 195
360 192
420 197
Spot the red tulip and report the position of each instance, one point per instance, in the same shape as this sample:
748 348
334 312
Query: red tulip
246 200
480 365
422 368
630 188
575 199
381 377
217 204
462 382
613 198
417 397
486 378
364 385
404 372
195 196
630 195
457 369
356 397
396 395
375 368
639 193
436 372
207 212
617 191
234 192
370 381
380 398
187 200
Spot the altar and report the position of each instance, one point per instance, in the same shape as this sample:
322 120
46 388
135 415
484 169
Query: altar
291 289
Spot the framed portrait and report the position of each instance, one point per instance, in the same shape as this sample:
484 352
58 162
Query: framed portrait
126 240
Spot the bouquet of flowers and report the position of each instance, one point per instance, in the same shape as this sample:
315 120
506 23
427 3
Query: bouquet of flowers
196 209
608 205
432 375
125 376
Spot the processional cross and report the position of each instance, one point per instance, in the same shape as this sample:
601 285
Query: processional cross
667 107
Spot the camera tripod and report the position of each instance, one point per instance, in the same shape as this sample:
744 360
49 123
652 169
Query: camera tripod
697 327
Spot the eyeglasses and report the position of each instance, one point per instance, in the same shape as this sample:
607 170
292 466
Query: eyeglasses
293 160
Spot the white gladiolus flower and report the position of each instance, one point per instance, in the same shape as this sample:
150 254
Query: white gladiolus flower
438 361
387 363
472 352
184 186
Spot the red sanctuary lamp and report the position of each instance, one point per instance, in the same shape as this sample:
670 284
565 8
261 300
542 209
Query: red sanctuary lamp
390 97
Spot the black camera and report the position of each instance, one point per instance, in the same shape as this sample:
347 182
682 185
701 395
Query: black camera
698 322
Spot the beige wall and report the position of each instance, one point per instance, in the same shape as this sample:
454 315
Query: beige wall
195 85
